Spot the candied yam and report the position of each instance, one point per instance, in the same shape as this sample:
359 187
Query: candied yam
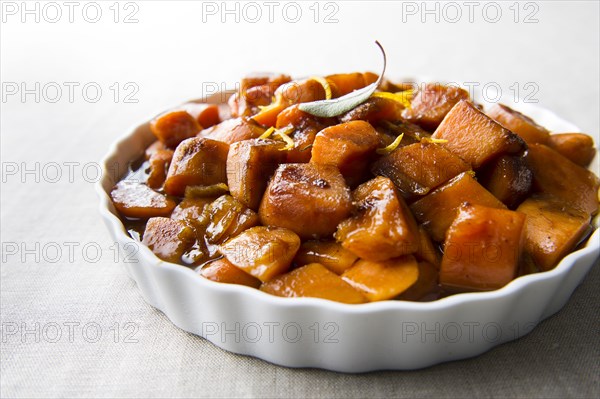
418 168
552 229
168 238
382 226
555 175
475 137
427 251
482 249
248 102
172 127
223 271
426 287
207 115
431 104
508 178
196 162
250 165
136 200
313 280
383 280
349 146
159 164
263 252
437 210
154 147
306 127
309 199
344 83
263 78
519 124
192 211
577 147
227 218
233 130
328 253
373 110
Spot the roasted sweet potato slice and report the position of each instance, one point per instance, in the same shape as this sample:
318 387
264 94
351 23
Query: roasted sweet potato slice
418 168
309 199
552 229
136 200
168 238
508 178
577 147
555 175
264 252
382 226
475 137
233 130
427 286
305 129
197 162
431 104
207 115
348 146
328 253
519 124
172 127
250 165
482 249
437 210
159 164
223 271
316 281
227 218
383 280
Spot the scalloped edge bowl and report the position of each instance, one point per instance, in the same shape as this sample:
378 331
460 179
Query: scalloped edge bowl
311 332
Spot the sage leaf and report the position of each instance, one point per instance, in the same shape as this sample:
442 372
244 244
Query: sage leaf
340 105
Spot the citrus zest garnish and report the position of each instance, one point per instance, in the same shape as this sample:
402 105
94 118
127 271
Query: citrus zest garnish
325 85
402 97
391 147
289 143
434 141
267 133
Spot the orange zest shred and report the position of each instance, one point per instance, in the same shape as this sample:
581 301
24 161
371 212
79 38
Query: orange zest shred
391 147
289 143
434 141
401 97
325 85
267 133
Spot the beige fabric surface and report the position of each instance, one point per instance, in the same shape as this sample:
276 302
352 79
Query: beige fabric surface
111 343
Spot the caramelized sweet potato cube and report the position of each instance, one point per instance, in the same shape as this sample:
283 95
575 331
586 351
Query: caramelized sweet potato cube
344 83
427 251
349 146
227 218
173 127
418 168
382 226
306 127
555 175
168 238
437 210
250 165
194 213
577 147
264 252
373 110
328 253
249 102
309 199
154 147
475 137
316 281
223 271
508 178
482 249
207 115
159 164
427 285
552 229
233 130
519 124
383 280
197 162
263 78
431 104
136 200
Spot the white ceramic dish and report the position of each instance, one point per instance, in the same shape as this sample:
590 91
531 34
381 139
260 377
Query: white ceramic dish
310 332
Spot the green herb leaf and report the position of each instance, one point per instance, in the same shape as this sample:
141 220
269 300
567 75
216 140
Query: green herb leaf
337 106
